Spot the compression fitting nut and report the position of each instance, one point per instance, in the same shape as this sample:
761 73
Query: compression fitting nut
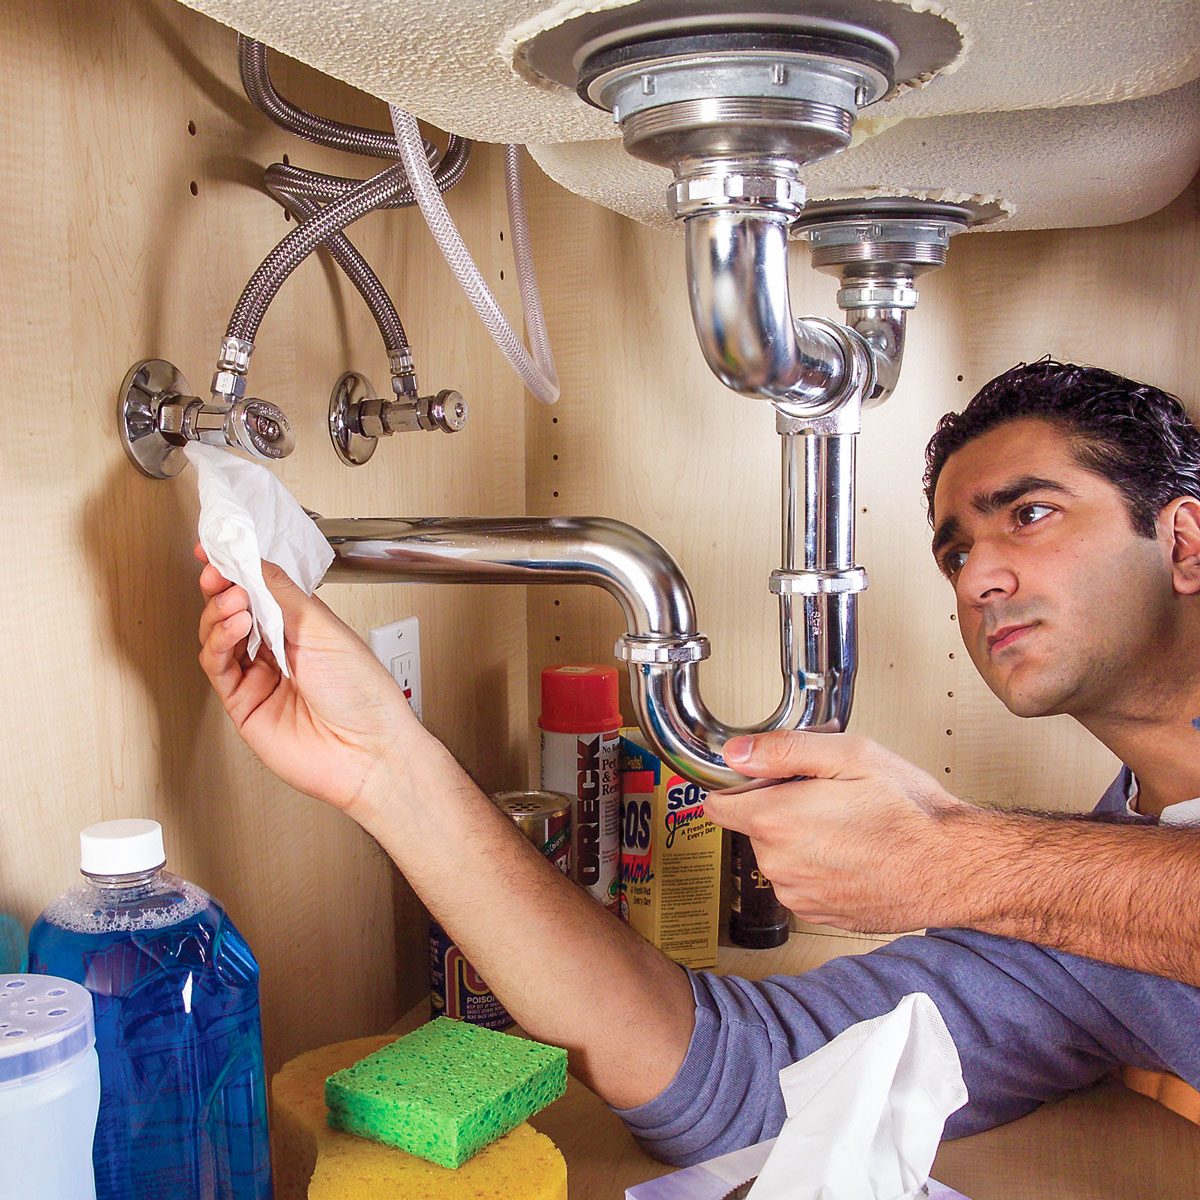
228 386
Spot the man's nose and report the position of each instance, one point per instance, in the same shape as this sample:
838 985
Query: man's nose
987 575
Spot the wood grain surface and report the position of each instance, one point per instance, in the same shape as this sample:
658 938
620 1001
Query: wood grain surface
106 256
134 216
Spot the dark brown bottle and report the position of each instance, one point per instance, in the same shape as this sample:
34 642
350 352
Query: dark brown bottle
756 919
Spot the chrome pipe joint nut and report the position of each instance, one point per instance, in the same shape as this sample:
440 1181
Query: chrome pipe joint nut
229 379
235 355
894 293
633 649
818 583
227 387
721 184
404 375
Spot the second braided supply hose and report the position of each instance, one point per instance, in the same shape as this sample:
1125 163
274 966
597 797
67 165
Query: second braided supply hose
537 370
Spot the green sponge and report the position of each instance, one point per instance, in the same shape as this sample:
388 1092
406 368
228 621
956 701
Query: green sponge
446 1090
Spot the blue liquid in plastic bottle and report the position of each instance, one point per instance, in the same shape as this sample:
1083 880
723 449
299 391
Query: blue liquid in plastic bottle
183 1106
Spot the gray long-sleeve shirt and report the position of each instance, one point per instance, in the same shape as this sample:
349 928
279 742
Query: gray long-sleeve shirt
1031 1024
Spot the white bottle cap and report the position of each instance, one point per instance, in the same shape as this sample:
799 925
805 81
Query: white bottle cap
44 1023
121 847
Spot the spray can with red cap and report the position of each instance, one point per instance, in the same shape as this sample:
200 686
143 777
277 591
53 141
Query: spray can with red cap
580 721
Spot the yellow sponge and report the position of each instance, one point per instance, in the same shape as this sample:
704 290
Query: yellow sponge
318 1163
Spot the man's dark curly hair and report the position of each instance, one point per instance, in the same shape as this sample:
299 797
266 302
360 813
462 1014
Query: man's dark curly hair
1138 438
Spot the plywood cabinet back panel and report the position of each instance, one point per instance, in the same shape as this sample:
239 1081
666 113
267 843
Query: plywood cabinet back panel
108 253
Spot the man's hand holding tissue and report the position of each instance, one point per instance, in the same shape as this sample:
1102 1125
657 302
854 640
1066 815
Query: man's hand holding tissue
864 842
327 730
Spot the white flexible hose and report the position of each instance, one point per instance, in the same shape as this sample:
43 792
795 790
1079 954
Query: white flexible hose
537 371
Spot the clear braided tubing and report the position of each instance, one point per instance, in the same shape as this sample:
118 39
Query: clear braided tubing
531 300
538 370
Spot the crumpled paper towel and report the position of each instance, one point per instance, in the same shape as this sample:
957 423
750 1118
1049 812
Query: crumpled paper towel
867 1110
247 515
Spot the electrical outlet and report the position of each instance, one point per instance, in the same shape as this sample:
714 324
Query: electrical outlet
398 647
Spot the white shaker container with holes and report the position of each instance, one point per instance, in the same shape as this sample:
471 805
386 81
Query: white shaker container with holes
49 1088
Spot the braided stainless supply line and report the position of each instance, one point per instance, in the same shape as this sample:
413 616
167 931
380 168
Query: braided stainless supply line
303 192
260 91
448 168
274 270
356 269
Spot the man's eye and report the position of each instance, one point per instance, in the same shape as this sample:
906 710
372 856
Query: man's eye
953 562
1028 514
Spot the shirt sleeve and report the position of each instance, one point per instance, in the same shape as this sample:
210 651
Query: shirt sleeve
1026 1032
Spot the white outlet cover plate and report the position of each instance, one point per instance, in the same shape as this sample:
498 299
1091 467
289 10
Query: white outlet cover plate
398 647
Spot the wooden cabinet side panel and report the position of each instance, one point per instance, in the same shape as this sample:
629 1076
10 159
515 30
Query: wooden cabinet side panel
107 256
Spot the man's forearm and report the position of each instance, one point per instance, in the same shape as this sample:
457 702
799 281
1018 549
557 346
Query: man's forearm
1122 895
569 972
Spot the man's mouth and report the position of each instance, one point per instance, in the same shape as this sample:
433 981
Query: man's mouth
1007 635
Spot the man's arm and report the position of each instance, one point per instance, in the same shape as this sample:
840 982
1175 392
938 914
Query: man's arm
1124 895
870 842
341 731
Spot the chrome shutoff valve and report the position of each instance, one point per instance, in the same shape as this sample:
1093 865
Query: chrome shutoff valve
159 415
358 418
252 425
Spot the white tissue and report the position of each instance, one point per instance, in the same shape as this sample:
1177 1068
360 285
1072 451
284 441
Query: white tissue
866 1112
247 515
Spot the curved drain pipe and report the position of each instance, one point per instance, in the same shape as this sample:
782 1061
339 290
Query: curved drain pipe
737 268
818 376
663 646
735 116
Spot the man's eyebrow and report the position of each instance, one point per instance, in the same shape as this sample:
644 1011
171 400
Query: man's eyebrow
986 503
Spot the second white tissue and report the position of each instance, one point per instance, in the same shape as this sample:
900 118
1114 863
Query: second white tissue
867 1110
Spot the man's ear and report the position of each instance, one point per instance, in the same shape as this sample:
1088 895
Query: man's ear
1181 519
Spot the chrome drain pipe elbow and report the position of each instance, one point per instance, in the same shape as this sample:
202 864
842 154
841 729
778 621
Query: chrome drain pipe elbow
817 585
736 157
883 328
623 561
878 250
737 272
737 265
669 709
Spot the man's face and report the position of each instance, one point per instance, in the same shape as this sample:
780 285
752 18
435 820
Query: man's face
1062 607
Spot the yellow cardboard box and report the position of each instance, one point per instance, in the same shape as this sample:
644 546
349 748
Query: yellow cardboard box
670 869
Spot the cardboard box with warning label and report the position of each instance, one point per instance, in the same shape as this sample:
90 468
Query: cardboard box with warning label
670 870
